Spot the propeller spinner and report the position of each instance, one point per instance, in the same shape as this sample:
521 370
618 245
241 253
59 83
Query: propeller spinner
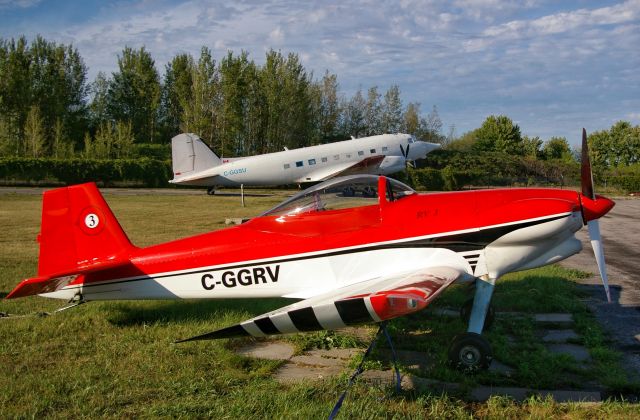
594 207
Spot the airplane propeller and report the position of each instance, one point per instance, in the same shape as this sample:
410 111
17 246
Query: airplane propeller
593 225
405 153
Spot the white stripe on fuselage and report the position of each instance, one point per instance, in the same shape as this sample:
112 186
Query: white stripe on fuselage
282 275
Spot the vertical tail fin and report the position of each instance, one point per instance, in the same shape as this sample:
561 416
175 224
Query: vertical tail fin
79 233
189 155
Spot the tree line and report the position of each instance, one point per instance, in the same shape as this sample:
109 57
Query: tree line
48 108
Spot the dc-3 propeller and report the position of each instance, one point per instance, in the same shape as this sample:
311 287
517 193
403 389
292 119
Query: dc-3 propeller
405 153
593 225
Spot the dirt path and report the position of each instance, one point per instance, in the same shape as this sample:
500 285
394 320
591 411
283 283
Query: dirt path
621 240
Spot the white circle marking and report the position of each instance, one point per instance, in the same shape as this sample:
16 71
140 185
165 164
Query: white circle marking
91 221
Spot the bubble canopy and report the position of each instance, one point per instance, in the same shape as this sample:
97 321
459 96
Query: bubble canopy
340 193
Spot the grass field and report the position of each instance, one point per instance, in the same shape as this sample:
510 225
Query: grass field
115 359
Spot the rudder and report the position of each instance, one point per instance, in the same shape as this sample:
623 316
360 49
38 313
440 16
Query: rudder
78 231
190 155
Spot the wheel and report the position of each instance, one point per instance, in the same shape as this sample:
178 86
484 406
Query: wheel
470 352
465 314
211 191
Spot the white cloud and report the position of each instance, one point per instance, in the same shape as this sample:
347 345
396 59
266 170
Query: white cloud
18 4
277 35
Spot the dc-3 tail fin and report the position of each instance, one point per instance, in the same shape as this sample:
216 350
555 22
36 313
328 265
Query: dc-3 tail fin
78 234
190 155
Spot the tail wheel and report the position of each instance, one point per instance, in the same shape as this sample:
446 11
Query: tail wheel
470 352
465 314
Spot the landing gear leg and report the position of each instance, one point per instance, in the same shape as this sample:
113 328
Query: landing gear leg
470 351
211 190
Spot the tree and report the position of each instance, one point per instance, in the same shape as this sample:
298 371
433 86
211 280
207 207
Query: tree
531 146
329 111
9 143
235 74
34 140
353 120
373 113
411 119
134 93
286 86
392 111
431 127
99 105
61 147
200 107
619 146
47 75
176 89
123 139
557 148
499 134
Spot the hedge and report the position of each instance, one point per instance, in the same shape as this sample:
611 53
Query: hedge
143 172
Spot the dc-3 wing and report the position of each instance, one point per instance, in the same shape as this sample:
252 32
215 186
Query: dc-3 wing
365 165
373 300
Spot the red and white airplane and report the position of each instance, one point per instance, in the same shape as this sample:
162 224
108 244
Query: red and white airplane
353 250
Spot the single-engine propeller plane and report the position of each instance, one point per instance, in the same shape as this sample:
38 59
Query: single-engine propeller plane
357 249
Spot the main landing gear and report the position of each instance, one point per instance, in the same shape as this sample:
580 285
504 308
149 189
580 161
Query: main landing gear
470 351
211 191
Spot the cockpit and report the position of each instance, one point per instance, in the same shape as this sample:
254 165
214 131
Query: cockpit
340 193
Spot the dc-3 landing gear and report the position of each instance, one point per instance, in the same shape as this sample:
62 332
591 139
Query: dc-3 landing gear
469 351
211 190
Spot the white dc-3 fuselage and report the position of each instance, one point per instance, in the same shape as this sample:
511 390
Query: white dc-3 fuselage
195 164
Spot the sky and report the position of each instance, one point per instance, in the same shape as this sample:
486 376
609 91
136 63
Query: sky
551 66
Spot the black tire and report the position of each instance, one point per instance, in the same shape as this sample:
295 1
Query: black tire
470 352
211 191
465 314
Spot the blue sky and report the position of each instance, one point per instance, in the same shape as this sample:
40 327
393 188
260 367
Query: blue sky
552 66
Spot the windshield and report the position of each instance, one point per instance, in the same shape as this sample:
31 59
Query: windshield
339 193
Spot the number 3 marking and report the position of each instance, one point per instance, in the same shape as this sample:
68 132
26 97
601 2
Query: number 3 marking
91 221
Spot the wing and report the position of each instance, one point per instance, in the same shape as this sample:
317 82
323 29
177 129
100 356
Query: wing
372 300
363 166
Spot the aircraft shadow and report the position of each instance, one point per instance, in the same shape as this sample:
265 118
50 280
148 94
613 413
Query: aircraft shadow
124 314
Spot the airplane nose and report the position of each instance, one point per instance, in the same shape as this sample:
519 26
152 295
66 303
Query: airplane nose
595 209
422 148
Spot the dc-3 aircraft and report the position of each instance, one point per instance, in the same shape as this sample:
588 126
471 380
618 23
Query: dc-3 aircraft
194 163
356 249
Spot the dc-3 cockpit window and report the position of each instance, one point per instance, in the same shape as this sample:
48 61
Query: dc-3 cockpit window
340 193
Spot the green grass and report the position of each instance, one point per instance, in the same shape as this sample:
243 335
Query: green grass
116 359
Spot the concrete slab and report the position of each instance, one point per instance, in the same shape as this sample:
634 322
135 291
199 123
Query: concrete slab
326 358
554 318
408 358
499 367
446 312
316 364
296 373
272 350
579 353
559 336
407 382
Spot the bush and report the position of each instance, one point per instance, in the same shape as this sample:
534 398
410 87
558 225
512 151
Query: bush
626 178
141 172
152 151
